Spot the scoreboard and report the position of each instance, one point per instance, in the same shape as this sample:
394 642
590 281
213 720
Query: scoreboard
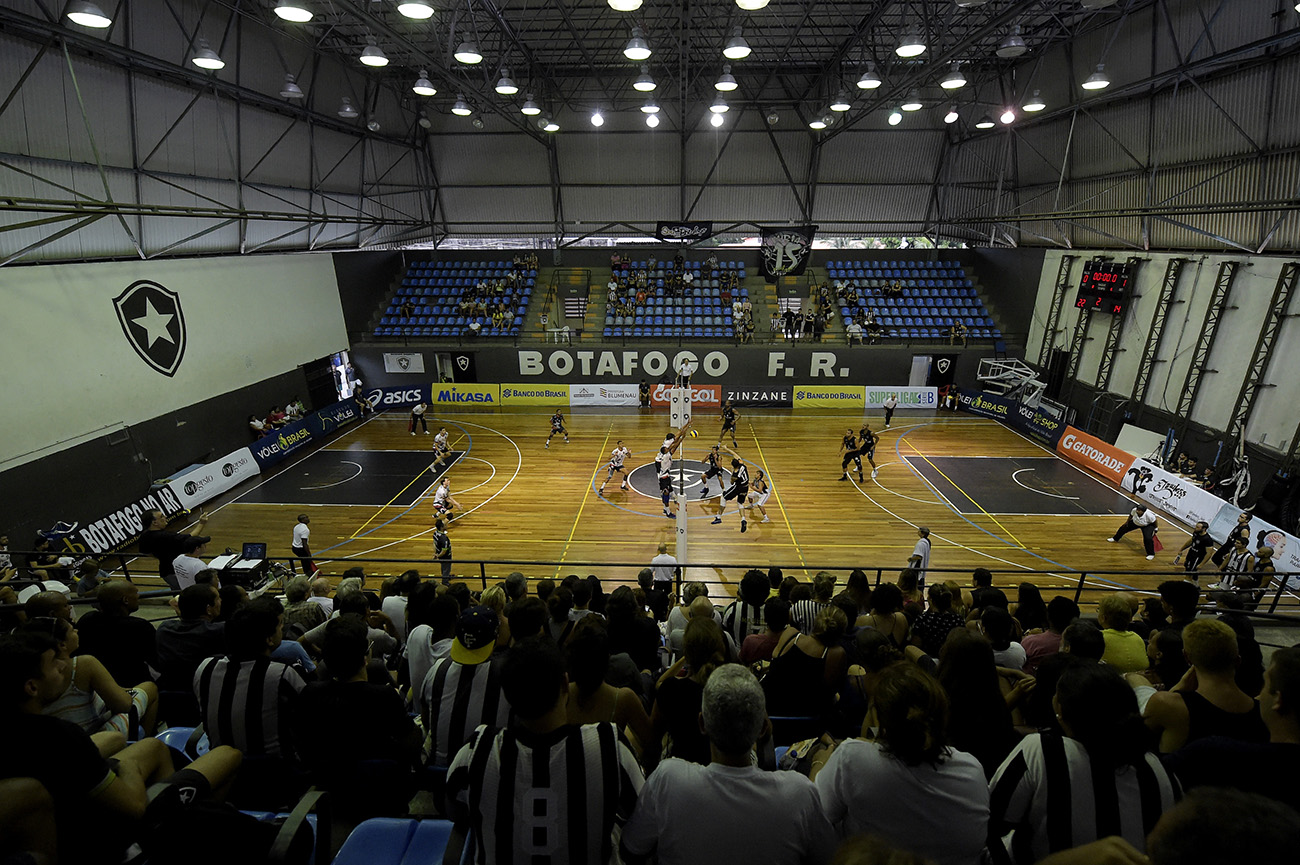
1105 287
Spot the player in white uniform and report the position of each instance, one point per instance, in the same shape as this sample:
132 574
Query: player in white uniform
759 491
441 448
664 466
443 503
616 458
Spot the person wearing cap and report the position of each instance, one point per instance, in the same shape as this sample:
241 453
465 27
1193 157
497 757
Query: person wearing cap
163 544
1144 521
462 691
188 563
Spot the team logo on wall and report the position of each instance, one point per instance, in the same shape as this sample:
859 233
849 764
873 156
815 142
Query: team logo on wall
153 323
462 361
786 250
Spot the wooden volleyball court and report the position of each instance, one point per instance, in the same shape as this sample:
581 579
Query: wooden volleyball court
990 497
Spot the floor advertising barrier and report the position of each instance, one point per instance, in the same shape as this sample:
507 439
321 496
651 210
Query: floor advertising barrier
480 394
758 395
535 394
850 397
604 394
381 398
196 487
706 395
1095 455
116 530
908 397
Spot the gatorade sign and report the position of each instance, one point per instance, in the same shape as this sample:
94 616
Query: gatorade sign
1094 455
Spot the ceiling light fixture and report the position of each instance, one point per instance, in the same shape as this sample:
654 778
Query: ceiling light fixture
372 125
970 4
530 107
87 15
952 116
1097 80
913 101
293 10
625 5
550 125
650 107
736 48
719 105
752 5
420 10
726 81
652 120
1102 4
645 83
1013 46
895 117
984 122
841 101
505 86
290 88
1034 103
954 79
206 58
912 44
372 55
424 120
423 86
715 121
817 123
347 110
1008 116
597 119
468 54
637 48
461 109
870 79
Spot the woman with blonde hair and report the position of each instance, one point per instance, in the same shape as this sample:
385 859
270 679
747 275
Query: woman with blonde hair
681 692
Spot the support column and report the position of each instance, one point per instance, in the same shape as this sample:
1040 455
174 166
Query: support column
1205 342
1254 380
1059 292
1151 351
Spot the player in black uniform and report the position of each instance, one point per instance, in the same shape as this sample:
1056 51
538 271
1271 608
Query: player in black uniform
867 447
557 426
728 423
643 391
739 490
713 469
1196 547
850 448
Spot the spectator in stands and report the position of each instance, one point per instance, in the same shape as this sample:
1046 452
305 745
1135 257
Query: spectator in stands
559 603
853 332
1221 827
184 642
887 615
759 647
165 545
592 699
463 690
806 673
982 579
680 691
257 426
589 772
658 595
1250 670
49 604
932 627
1168 664
1040 794
1029 610
1125 650
320 595
908 582
1179 599
300 614
677 617
102 806
979 721
907 785
432 619
683 803
744 616
997 625
380 629
394 606
1207 700
631 631
93 700
804 613
246 699
123 643
276 418
348 701
189 562
1061 611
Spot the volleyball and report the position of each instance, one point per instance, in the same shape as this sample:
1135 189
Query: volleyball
693 434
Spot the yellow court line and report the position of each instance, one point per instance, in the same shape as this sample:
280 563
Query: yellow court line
966 494
590 482
388 503
777 493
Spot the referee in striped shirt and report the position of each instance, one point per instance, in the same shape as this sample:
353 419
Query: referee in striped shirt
462 691
543 792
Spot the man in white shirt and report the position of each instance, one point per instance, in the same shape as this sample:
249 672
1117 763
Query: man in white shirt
417 417
854 331
188 563
889 405
682 804
665 569
301 546
920 558
1144 521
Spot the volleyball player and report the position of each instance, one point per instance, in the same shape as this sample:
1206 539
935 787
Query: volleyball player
557 426
712 469
849 447
443 503
759 491
616 458
739 490
867 441
1196 548
664 465
441 448
728 423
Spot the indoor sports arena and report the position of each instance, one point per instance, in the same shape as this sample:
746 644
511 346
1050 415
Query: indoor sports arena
594 431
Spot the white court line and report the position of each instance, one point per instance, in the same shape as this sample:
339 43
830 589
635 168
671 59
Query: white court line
877 482
931 485
336 483
1040 492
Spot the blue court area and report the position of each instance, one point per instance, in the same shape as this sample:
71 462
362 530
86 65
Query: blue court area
1018 485
352 477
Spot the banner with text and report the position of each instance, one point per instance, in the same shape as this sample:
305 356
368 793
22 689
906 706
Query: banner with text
758 396
684 231
381 398
1095 455
279 444
908 397
466 394
830 396
403 362
114 531
604 394
786 250
535 394
702 395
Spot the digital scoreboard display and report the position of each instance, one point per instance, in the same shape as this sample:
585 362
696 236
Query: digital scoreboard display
1104 287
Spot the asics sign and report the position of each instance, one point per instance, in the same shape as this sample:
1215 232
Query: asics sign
390 397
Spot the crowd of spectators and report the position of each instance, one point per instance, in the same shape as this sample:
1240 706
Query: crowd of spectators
276 418
954 724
